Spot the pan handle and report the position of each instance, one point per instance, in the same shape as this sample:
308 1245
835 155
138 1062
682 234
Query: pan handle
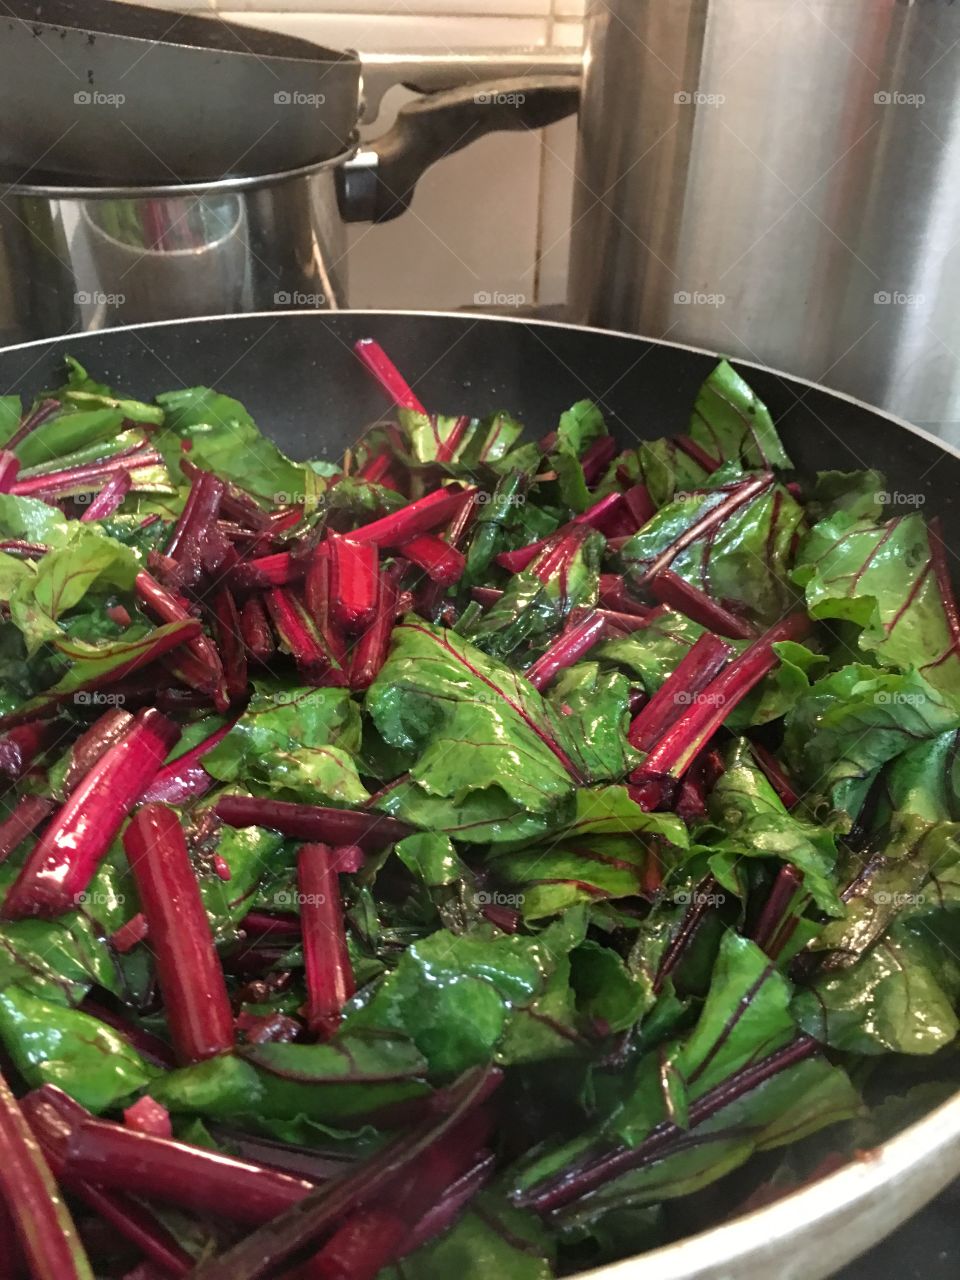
378 184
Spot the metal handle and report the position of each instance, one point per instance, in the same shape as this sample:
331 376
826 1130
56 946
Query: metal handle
434 71
378 185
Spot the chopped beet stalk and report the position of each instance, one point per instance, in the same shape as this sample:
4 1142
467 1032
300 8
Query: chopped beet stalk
188 970
193 1178
639 504
422 516
673 752
119 614
370 652
776 775
41 1220
262 925
230 643
451 1203
318 599
130 934
386 373
329 973
109 498
679 691
486 596
20 747
354 578
184 777
148 1116
256 631
65 858
9 466
692 796
736 497
264 1252
297 634
376 468
597 458
93 744
235 503
777 909
277 570
695 451
366 828
198 517
594 517
28 813
670 589
25 550
569 647
447 449
614 596
438 560
362 1246
207 675
53 485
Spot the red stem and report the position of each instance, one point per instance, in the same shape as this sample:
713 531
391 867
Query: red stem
614 595
771 919
130 934
386 373
776 775
191 980
185 778
365 828
236 503
638 502
109 497
448 448
72 480
329 973
42 1221
165 607
297 635
695 451
194 1178
597 458
354 576
569 647
440 561
199 515
93 744
276 570
27 815
9 467
317 597
20 747
594 517
372 648
679 691
418 517
230 641
670 589
65 858
941 569
256 631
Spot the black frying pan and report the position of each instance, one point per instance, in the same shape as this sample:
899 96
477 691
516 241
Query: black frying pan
298 376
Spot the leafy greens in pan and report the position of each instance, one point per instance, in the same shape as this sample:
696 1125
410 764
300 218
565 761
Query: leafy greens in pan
491 856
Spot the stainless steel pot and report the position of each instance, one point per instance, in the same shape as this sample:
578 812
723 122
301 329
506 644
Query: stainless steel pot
777 180
92 256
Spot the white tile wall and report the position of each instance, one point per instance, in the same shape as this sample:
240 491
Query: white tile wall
490 219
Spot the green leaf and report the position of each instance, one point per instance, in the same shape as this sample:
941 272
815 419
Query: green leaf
591 711
11 412
880 577
430 857
50 1044
225 439
579 427
495 1240
743 562
83 391
67 432
428 433
294 740
856 493
732 424
32 520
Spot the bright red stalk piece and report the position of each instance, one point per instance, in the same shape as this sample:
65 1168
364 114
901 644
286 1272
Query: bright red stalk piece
93 744
230 643
597 458
195 1178
235 503
614 595
574 641
42 1221
375 469
370 652
391 380
317 596
184 777
197 520
594 518
109 498
679 691
354 578
695 451
447 448
256 631
329 973
438 560
130 934
451 1203
736 497
941 570
164 606
65 858
188 969
9 466
670 589
639 504
20 747
276 570
671 755
366 828
769 927
27 815
422 516
148 1116
297 634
